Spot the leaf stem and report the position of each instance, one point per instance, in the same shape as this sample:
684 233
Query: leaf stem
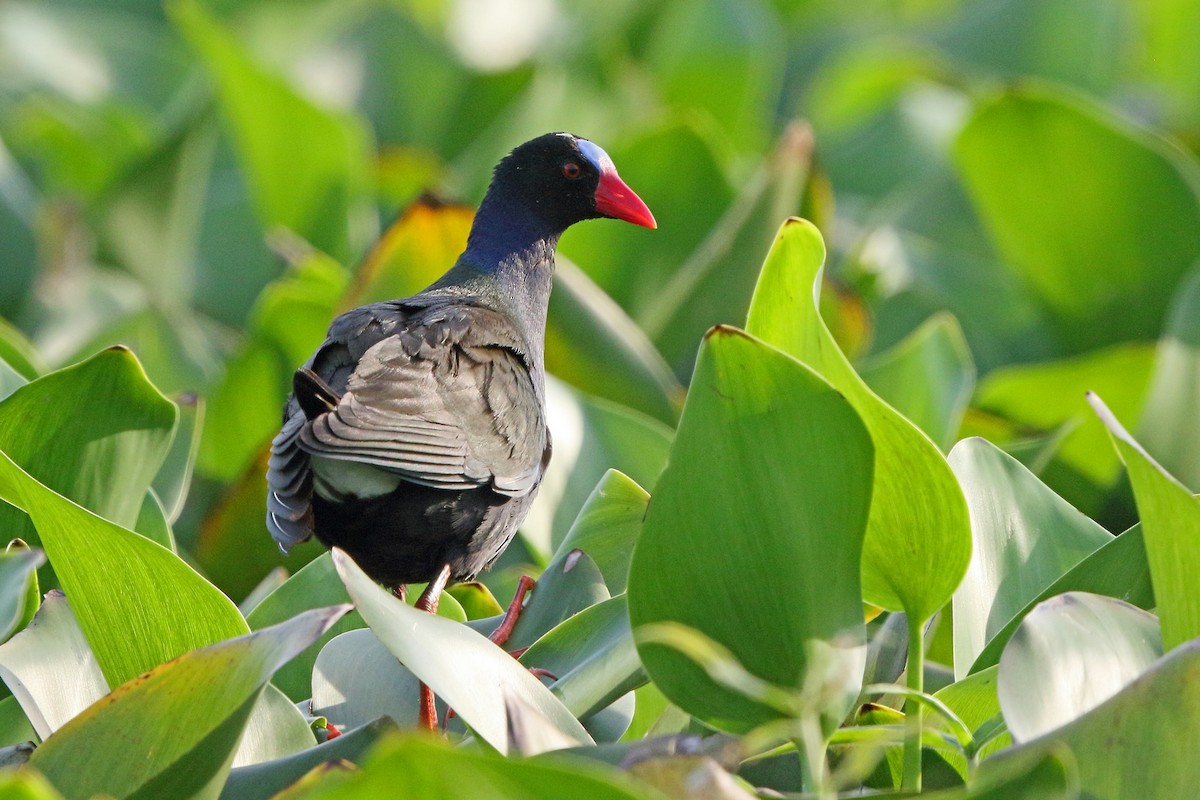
914 709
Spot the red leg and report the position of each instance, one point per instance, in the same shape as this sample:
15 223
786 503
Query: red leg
428 601
505 628
400 592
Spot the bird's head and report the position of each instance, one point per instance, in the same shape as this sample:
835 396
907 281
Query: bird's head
566 179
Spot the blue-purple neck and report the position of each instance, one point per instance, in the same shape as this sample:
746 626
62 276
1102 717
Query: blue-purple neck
508 264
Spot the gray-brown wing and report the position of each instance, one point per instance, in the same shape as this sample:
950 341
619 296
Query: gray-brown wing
446 402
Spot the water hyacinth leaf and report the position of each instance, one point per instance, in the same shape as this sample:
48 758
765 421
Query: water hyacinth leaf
1171 530
571 583
15 727
319 198
723 59
476 599
1051 397
229 557
95 432
608 526
26 785
264 781
773 508
172 732
1169 427
593 656
690 776
593 344
1049 774
1118 569
175 476
716 283
269 583
1137 743
50 669
1069 655
591 436
973 700
316 585
152 522
463 668
356 680
413 252
10 379
163 609
18 578
928 377
152 213
1026 537
275 729
918 541
17 352
431 770
1022 156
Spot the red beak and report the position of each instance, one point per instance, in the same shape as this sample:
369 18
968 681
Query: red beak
615 199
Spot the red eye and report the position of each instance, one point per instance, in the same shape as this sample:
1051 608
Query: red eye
571 170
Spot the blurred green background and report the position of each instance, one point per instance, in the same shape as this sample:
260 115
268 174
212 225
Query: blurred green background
204 182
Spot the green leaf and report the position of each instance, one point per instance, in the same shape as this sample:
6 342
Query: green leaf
593 656
1171 527
724 58
162 608
716 282
928 377
152 522
1043 775
33 663
17 352
918 540
1026 538
15 727
752 535
1137 743
1118 569
316 585
1169 427
319 196
275 729
1048 396
433 771
18 578
591 436
975 701
172 732
95 432
26 785
608 526
470 673
356 680
175 476
571 583
263 781
1098 217
592 344
151 217
690 776
1069 655
10 380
